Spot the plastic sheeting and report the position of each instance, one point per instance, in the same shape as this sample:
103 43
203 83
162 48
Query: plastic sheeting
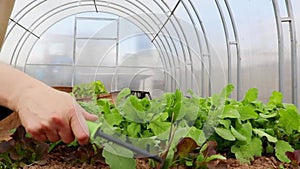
188 44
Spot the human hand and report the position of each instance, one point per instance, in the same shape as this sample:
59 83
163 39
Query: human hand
49 114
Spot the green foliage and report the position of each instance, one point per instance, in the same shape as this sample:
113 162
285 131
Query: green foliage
118 157
289 119
281 148
245 128
191 130
243 123
21 150
245 151
92 89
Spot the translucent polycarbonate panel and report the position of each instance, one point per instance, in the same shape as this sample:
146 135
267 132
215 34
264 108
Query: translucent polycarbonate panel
296 5
171 43
200 74
23 50
64 27
21 9
88 27
92 52
116 79
37 16
138 78
190 22
146 58
216 40
170 4
51 75
29 17
190 34
54 16
89 74
155 6
145 22
179 41
133 42
128 29
106 75
7 51
98 15
258 41
162 55
56 44
168 46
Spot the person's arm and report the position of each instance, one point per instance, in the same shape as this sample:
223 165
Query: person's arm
46 113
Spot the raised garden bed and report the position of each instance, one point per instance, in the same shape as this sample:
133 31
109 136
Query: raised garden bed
249 133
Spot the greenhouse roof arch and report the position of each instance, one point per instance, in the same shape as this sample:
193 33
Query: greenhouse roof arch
153 23
192 49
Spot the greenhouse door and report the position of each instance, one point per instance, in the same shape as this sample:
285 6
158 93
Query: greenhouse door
96 47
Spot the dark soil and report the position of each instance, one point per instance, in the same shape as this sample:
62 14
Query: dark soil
63 157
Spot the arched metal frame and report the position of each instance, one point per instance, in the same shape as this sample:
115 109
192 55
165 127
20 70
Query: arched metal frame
293 47
139 14
162 38
229 43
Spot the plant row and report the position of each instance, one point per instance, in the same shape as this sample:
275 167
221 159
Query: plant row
191 130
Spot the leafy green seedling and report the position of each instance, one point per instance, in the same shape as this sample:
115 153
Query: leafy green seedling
21 150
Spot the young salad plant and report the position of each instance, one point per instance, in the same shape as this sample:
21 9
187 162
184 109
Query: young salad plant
242 129
190 131
157 125
21 150
251 128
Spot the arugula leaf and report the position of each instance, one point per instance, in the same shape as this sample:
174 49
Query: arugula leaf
226 123
122 95
177 105
113 118
215 113
246 152
242 125
237 135
251 95
247 113
228 90
246 130
134 129
189 109
118 157
225 134
276 98
261 133
230 111
197 135
158 127
289 120
281 148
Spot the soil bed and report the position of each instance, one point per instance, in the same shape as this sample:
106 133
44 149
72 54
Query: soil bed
63 157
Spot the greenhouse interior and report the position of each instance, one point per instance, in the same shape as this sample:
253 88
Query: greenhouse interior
158 46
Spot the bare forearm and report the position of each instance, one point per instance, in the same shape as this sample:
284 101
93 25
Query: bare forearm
13 84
